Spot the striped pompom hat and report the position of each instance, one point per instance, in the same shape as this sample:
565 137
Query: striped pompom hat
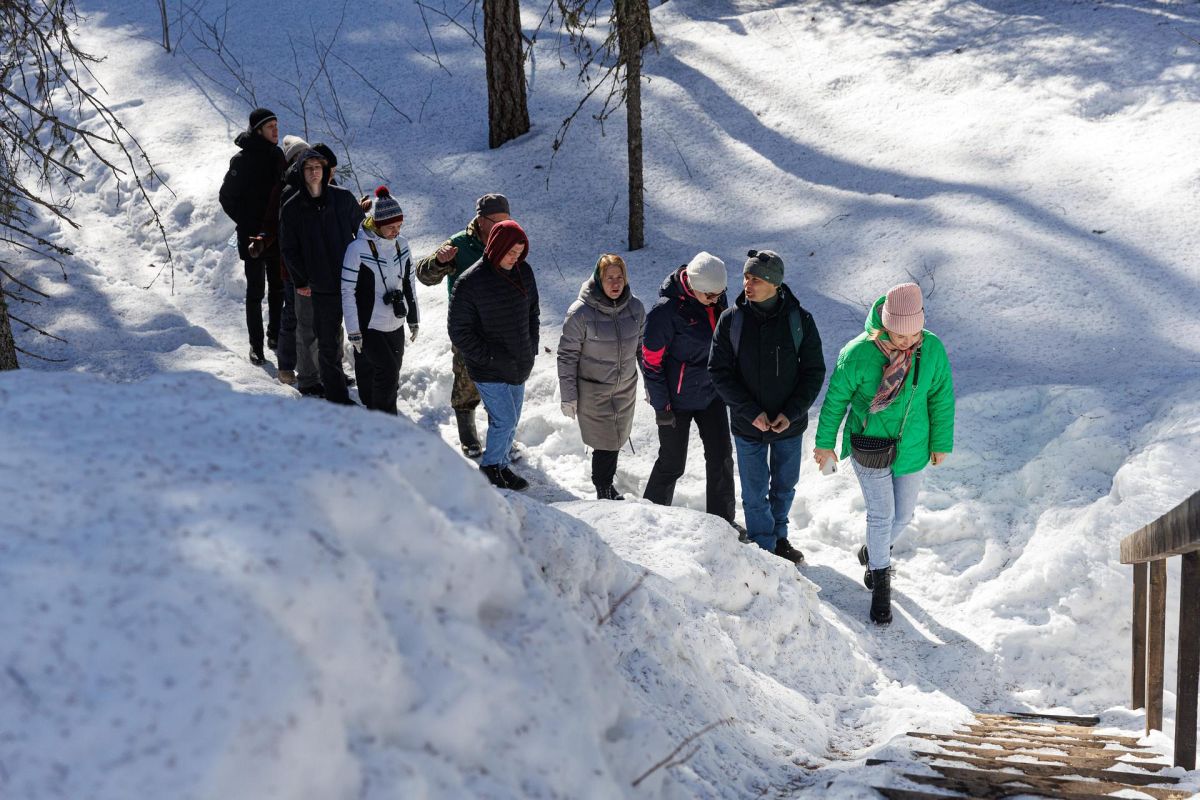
385 210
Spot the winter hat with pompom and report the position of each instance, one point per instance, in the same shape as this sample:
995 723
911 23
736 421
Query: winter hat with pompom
904 310
385 210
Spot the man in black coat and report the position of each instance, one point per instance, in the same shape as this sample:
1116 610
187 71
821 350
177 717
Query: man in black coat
493 321
316 224
246 194
767 365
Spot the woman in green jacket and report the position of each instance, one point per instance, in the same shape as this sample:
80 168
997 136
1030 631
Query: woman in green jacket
895 380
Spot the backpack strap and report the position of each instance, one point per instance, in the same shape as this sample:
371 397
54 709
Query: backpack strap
796 323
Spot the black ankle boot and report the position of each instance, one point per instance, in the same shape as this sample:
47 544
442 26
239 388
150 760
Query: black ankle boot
468 437
608 493
495 478
881 596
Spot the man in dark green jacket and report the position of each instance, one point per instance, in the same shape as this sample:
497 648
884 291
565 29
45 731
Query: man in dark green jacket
448 262
767 365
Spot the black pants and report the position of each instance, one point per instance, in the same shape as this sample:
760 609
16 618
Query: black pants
713 423
604 467
263 277
327 322
377 369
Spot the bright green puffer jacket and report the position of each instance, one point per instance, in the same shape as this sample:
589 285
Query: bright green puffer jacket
930 424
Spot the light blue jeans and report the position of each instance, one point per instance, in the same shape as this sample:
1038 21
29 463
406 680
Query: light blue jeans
769 473
503 402
890 501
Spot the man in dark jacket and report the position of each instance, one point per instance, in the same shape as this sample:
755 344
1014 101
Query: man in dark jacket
674 358
246 193
316 224
448 262
767 365
493 321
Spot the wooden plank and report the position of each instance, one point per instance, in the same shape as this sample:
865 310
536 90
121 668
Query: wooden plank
1174 533
1188 669
1062 785
1156 640
1139 637
990 789
1094 762
1013 731
1053 770
1061 730
1088 722
1071 750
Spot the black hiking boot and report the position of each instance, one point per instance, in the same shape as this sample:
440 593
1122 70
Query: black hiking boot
863 558
468 437
743 534
608 493
257 358
315 390
784 549
514 481
272 342
881 597
494 477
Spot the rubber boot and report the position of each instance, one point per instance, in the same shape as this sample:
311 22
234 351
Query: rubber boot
881 596
468 437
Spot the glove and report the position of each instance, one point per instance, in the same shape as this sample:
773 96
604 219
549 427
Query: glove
568 410
412 332
256 246
665 418
356 341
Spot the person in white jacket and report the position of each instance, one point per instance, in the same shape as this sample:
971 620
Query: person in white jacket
378 297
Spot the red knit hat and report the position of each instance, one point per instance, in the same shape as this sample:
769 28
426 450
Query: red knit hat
504 236
904 310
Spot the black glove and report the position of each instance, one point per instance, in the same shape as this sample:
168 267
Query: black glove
666 418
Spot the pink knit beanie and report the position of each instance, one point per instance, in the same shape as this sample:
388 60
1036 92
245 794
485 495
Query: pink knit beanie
903 310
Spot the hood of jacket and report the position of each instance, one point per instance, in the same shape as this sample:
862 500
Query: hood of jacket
294 177
592 294
248 140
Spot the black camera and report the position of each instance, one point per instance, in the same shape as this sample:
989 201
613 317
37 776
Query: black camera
395 299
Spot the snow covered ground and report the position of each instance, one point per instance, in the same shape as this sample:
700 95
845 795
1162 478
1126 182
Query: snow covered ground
216 589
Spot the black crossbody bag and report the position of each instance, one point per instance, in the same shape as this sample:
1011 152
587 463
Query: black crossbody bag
878 452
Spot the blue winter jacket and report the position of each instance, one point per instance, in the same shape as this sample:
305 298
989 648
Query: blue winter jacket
675 345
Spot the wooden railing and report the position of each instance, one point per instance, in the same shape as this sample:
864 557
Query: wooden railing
1176 533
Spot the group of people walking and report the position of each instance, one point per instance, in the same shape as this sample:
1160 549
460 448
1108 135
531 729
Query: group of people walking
746 374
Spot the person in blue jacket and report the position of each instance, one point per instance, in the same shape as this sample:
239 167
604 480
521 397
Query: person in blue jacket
674 360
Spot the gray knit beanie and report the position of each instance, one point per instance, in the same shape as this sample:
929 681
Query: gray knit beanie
293 146
491 204
764 264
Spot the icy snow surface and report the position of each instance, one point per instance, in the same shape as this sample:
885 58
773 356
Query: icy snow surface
214 589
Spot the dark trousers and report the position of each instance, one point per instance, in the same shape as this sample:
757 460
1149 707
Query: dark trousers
604 467
377 369
713 423
263 278
327 322
287 328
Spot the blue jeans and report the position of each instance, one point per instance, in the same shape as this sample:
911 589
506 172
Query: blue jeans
890 501
503 403
769 473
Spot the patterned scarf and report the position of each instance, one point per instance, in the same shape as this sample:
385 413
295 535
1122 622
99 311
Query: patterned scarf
894 373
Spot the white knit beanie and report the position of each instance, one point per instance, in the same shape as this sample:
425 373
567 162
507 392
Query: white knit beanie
706 273
292 147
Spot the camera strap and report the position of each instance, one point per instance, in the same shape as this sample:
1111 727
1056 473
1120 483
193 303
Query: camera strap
378 264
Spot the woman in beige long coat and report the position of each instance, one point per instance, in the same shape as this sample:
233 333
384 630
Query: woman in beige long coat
597 366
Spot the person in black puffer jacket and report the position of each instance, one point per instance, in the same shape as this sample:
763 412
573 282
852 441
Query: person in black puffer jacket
767 365
316 224
674 359
246 193
493 321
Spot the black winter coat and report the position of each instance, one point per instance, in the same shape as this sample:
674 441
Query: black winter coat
246 191
675 345
494 324
768 374
314 233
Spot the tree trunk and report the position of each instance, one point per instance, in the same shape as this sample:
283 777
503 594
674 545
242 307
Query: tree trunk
634 33
508 113
8 347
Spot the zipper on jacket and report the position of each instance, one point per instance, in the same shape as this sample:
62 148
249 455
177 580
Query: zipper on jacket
679 388
776 362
